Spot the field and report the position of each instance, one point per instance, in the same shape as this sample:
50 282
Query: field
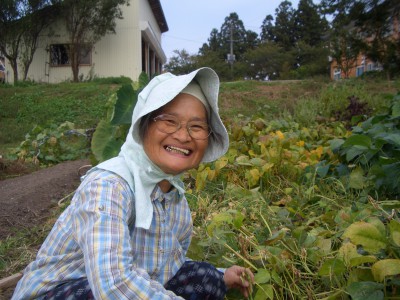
307 195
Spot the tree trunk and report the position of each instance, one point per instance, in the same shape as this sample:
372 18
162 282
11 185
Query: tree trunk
14 66
74 62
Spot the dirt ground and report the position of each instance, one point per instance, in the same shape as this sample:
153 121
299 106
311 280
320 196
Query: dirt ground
26 200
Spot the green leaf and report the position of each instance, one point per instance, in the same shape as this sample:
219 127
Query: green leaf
336 144
262 276
123 109
394 228
243 160
322 171
359 260
104 144
396 109
365 290
265 291
357 179
393 138
238 220
332 266
367 235
258 162
385 267
358 140
143 80
354 152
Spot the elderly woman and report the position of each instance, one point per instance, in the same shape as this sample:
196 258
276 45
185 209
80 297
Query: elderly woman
127 230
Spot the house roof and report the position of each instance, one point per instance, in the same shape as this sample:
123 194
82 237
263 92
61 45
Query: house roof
159 15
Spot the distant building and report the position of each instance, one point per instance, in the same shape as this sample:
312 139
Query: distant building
363 63
358 67
134 48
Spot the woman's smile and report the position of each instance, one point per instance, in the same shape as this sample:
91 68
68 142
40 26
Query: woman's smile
178 150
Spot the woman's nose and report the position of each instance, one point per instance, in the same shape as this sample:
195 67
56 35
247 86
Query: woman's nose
182 134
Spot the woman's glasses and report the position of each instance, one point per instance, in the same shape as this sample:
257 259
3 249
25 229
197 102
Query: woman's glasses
198 130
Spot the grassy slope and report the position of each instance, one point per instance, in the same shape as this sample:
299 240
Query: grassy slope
84 104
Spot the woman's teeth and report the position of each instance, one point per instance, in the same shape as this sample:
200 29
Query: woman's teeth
177 150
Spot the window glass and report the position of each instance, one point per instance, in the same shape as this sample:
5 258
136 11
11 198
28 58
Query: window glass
59 55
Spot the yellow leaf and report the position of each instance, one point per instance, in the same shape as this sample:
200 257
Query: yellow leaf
211 174
385 267
220 163
253 176
201 179
366 234
319 151
280 135
300 143
267 167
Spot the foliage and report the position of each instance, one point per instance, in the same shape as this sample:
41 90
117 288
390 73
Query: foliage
28 104
268 61
272 204
370 157
53 145
111 132
310 26
181 63
113 80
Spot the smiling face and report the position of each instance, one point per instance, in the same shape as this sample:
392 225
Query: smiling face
177 152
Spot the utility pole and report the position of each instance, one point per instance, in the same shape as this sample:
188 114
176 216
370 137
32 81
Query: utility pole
231 56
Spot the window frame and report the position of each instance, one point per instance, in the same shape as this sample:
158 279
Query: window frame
60 58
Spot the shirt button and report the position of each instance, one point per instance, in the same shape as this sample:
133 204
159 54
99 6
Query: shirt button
101 207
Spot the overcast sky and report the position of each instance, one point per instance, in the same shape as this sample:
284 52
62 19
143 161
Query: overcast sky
190 22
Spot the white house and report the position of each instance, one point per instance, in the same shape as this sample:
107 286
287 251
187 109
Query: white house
134 48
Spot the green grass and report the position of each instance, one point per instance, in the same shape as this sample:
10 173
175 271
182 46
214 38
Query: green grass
23 107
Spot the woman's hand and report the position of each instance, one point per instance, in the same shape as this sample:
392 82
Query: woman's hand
239 278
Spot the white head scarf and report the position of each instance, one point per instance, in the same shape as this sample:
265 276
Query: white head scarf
133 164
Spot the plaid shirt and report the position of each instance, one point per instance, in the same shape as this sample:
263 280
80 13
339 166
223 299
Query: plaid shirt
95 237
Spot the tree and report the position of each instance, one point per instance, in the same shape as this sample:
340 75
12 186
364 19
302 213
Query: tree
309 26
283 31
214 43
86 22
311 60
181 63
213 60
370 21
21 22
375 20
233 31
267 29
269 60
36 21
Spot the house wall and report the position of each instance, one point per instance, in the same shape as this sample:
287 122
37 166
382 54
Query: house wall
360 66
115 55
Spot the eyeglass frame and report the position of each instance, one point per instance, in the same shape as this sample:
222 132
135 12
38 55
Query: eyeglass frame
179 126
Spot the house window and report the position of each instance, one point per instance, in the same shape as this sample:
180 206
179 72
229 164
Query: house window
337 74
59 55
370 67
359 71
